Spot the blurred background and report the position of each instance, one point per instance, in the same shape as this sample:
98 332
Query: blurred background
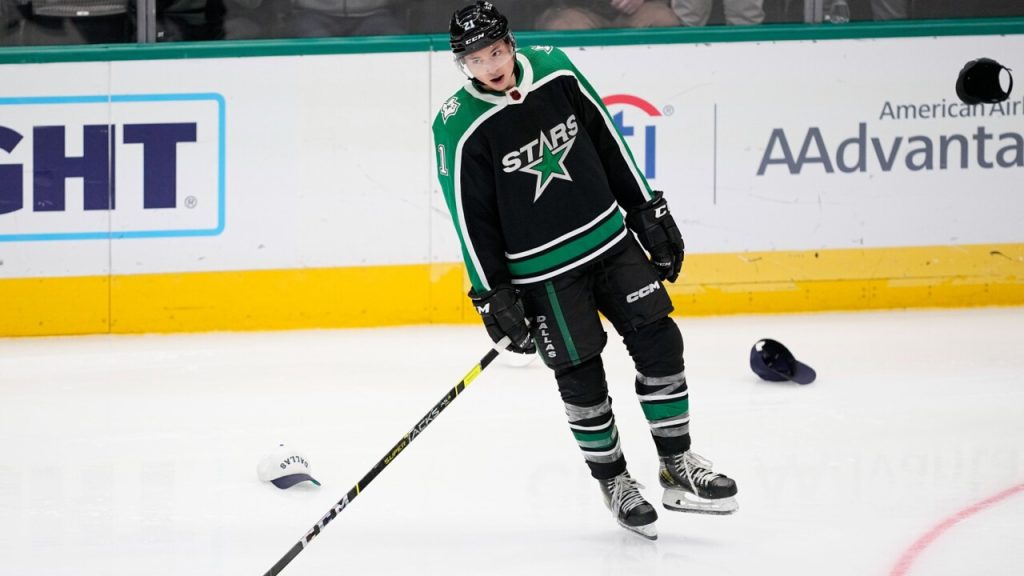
47 22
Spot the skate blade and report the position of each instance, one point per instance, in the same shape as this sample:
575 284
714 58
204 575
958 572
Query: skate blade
682 501
650 531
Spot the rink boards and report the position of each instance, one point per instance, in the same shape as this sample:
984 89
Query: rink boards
266 192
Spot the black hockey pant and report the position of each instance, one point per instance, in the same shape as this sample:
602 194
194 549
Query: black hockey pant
564 318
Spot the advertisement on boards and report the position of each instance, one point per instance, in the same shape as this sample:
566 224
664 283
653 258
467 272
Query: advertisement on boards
815 145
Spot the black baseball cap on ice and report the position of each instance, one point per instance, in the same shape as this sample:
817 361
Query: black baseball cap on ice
772 361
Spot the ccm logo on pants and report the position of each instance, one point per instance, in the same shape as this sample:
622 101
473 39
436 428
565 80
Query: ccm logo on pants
645 291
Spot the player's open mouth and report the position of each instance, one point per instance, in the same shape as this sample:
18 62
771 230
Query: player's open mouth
497 79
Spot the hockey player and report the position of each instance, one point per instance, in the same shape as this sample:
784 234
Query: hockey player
537 177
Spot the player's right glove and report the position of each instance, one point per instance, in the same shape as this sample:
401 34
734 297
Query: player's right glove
503 315
659 235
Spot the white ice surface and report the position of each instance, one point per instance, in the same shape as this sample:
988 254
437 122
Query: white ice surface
130 455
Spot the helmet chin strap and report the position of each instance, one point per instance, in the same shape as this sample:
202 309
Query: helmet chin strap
461 65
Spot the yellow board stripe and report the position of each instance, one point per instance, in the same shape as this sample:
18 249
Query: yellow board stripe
752 282
807 281
44 306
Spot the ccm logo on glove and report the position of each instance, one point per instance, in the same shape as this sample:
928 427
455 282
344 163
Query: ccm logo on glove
657 232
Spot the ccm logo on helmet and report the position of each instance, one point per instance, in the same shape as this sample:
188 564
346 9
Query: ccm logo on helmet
643 292
474 39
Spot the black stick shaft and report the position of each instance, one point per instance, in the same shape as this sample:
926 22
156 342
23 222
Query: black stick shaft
387 459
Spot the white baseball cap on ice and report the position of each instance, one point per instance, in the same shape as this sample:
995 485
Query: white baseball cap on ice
285 467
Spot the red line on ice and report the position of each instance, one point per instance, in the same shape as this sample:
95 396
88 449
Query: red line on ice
915 550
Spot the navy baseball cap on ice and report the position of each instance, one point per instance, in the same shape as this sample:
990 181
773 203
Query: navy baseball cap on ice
772 361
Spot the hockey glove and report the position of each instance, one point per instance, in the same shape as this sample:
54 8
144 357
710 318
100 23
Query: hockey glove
503 315
659 235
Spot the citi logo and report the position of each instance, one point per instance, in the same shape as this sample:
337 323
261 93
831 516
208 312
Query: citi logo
643 292
121 166
640 125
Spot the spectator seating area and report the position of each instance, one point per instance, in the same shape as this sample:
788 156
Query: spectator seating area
47 22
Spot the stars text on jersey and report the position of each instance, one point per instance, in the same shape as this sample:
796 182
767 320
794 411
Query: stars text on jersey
545 156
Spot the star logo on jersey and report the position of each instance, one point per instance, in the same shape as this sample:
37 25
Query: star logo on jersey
550 165
449 108
545 156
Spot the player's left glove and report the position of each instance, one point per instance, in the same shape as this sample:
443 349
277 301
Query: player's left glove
659 235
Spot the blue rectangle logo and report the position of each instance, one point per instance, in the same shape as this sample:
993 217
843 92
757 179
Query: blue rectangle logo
112 166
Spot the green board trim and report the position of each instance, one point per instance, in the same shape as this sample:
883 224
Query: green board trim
778 32
439 42
220 49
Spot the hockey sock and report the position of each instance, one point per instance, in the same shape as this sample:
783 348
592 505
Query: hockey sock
666 405
595 432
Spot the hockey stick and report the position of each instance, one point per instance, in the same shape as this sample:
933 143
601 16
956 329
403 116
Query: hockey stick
389 457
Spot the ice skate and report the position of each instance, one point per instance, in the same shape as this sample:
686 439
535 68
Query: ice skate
623 498
691 486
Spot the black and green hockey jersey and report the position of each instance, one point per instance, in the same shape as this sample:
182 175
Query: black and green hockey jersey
535 178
